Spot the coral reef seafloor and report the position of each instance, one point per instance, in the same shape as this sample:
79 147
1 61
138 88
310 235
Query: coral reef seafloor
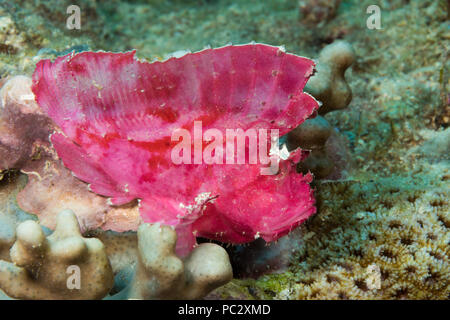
382 228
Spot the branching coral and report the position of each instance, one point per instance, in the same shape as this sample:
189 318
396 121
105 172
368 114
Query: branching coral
41 265
10 214
145 267
313 135
8 219
24 146
328 86
121 248
160 274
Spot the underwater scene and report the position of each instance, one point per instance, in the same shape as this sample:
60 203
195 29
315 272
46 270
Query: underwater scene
224 150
